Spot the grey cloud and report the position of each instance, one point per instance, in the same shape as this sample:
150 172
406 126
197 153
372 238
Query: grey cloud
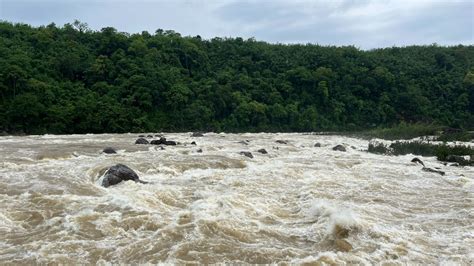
363 23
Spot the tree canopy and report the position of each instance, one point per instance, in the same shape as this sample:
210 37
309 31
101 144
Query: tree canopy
71 79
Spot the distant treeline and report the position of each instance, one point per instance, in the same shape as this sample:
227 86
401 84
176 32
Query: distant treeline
71 79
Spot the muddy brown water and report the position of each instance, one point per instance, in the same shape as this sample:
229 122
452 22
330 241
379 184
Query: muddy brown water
297 204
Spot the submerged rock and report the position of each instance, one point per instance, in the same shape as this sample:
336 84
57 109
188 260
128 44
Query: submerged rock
149 136
243 142
343 245
141 136
119 173
416 160
263 151
282 141
193 143
142 141
339 148
317 145
426 169
340 231
109 150
199 151
197 134
246 153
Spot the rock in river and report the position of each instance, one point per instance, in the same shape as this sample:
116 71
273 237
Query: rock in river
119 173
426 169
141 141
339 148
246 153
197 134
263 151
109 150
416 160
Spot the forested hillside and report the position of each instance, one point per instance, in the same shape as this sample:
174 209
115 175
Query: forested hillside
73 80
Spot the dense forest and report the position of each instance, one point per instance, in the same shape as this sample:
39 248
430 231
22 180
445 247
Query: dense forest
71 79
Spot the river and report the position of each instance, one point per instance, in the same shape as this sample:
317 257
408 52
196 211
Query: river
297 204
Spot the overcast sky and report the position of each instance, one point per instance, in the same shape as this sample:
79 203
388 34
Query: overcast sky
363 23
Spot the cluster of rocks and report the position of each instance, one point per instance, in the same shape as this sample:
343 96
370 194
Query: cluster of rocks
160 141
426 169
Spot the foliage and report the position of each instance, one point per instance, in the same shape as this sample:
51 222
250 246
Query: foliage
460 136
402 131
378 148
441 151
71 79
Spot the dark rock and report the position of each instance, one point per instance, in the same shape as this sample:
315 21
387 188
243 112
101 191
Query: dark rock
454 164
263 151
170 142
243 142
246 153
162 148
158 136
141 141
282 141
141 136
426 169
119 173
197 134
416 160
339 148
109 150
317 145
149 136
193 143
156 142
457 159
200 150
163 141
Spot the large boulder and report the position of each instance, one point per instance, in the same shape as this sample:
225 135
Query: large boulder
119 173
141 141
339 148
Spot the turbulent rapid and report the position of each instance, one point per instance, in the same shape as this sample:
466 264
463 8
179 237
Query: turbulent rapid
296 204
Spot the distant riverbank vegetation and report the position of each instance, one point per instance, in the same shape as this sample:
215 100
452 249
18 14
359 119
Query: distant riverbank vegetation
71 79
